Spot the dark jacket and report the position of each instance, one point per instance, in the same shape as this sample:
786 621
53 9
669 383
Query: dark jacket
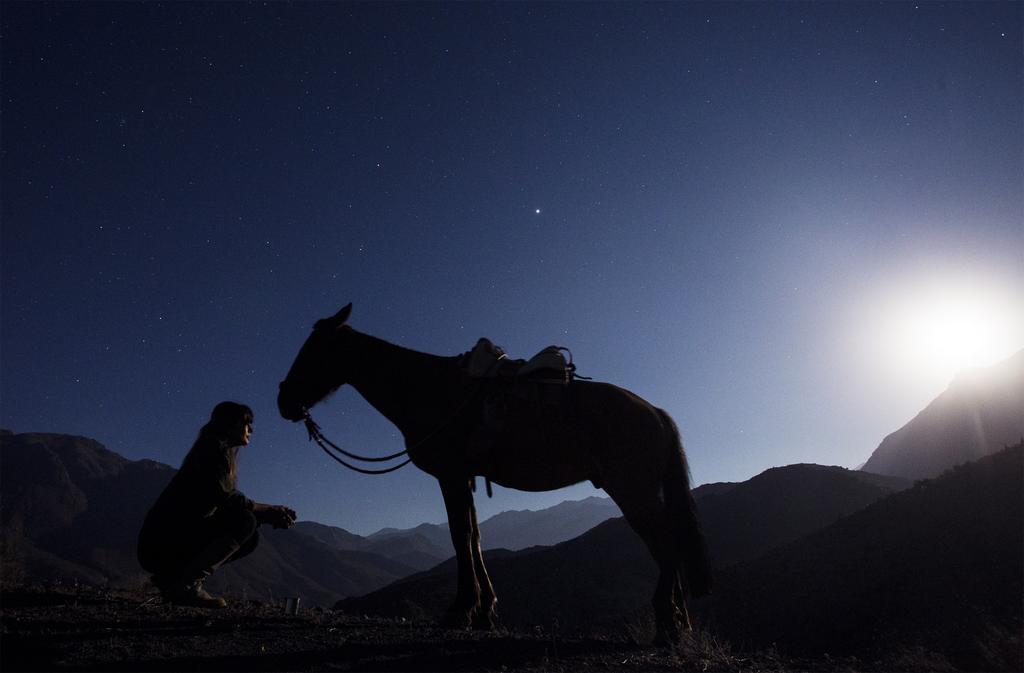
201 486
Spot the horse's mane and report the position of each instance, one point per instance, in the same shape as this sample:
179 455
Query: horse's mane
398 356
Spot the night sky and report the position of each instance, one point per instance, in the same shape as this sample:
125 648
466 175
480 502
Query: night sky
726 208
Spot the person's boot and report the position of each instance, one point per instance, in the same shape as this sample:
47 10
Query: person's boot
193 595
188 590
163 584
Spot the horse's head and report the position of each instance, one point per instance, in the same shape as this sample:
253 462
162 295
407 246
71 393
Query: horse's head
318 368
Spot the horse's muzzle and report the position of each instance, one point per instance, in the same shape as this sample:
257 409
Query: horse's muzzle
288 407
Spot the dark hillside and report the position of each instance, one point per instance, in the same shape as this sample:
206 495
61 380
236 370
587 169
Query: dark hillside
935 569
332 536
288 563
782 504
939 565
606 573
713 488
71 510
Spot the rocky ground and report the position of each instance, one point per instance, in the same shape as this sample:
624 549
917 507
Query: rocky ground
90 629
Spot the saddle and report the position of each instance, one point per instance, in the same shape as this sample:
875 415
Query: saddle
540 383
489 361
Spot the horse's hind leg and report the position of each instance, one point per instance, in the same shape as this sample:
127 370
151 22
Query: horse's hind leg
458 501
649 519
485 613
682 614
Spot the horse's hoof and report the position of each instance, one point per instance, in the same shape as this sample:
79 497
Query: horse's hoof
683 619
666 637
456 619
484 620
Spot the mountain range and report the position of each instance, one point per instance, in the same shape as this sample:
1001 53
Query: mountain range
608 572
75 508
428 544
70 510
808 555
937 565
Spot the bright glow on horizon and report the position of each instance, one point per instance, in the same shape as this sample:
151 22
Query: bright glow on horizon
955 335
938 329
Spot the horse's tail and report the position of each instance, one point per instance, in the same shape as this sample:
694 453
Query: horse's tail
691 547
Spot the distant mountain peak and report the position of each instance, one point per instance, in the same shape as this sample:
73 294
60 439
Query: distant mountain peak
517 529
980 412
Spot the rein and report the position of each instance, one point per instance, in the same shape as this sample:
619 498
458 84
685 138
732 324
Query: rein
316 435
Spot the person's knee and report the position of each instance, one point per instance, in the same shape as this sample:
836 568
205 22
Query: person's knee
240 524
245 548
247 525
249 546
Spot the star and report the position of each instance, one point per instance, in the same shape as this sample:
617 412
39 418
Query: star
537 211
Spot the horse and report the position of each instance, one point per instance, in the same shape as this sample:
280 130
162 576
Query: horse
596 431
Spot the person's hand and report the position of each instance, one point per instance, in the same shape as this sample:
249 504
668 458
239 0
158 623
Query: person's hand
277 516
281 516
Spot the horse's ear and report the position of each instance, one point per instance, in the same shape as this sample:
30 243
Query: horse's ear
336 320
341 316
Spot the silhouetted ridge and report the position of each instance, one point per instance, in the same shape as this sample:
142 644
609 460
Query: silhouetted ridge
783 503
511 529
981 412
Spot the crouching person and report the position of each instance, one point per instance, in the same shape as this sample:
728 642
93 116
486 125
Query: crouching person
201 521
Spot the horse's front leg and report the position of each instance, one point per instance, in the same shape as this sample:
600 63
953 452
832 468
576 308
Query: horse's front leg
458 500
486 613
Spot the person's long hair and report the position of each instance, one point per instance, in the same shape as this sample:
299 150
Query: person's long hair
219 433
